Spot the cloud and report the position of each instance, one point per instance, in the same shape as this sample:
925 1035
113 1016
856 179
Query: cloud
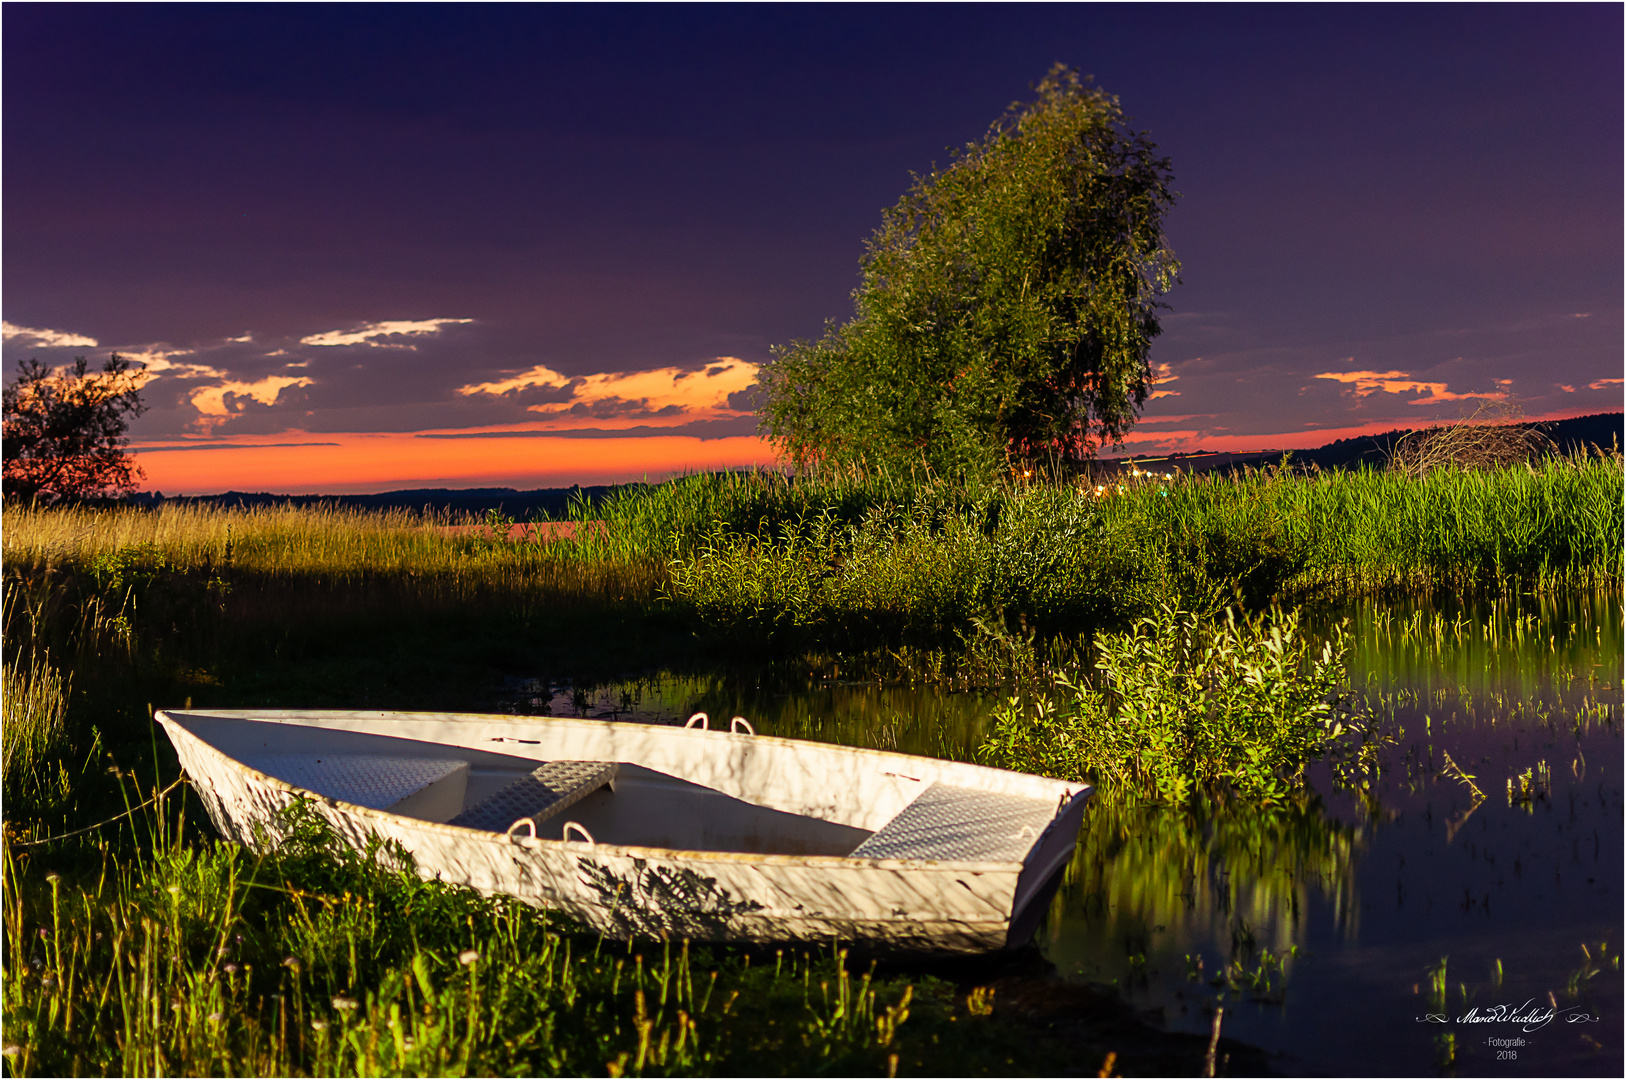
368 332
1162 373
211 401
164 448
157 362
48 338
715 391
1604 384
1565 387
1399 382
538 376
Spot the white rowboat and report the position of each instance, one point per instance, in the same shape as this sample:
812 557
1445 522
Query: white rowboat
660 831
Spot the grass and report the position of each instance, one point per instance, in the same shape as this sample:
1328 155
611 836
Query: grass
846 562
848 577
196 957
35 733
853 560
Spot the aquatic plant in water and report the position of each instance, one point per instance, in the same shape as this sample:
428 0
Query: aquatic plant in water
1185 704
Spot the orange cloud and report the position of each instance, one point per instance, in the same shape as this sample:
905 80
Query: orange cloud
48 338
211 403
683 395
300 463
157 362
369 333
1604 384
1399 382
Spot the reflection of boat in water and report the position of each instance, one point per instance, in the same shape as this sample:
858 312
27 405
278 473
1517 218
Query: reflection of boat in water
665 831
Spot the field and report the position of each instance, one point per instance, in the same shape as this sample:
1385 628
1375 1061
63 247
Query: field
146 945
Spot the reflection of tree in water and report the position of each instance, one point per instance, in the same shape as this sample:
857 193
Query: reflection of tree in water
1211 873
1528 645
832 708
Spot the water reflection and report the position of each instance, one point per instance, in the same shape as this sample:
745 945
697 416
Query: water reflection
1479 865
1480 862
1154 884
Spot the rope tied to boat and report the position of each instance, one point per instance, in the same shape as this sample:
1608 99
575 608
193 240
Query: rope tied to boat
92 828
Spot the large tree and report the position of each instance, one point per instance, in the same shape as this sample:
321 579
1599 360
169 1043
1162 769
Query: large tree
63 435
1007 305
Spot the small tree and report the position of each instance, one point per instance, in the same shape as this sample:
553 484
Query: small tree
1007 303
63 434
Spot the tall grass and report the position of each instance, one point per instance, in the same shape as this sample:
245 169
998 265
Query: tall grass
1456 529
34 729
185 589
199 958
960 585
330 544
848 562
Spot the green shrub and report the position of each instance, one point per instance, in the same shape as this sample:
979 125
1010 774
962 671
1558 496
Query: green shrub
1186 705
1059 561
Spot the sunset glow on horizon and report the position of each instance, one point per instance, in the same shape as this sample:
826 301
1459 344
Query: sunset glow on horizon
355 464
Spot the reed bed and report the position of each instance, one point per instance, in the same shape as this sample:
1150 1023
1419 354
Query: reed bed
847 560
1560 516
188 581
919 579
333 544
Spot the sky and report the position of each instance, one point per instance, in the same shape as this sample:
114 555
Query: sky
373 247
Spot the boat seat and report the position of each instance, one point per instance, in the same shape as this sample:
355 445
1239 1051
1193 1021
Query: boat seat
551 787
955 824
430 788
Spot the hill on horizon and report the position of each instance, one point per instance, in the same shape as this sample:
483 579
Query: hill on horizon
1595 432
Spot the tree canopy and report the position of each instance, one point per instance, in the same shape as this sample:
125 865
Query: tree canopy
63 435
1006 308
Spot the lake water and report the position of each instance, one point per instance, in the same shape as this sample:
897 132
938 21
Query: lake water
1460 912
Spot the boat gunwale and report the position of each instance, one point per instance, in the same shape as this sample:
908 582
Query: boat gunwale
537 843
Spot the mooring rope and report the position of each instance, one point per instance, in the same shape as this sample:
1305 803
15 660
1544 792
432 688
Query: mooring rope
91 828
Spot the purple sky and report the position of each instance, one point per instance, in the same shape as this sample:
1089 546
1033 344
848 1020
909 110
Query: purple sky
1384 211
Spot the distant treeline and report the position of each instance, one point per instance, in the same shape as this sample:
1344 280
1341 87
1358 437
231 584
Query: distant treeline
1598 432
535 505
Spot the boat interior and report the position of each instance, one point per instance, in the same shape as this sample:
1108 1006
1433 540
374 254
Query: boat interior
614 801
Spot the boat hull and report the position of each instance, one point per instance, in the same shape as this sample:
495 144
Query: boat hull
901 905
